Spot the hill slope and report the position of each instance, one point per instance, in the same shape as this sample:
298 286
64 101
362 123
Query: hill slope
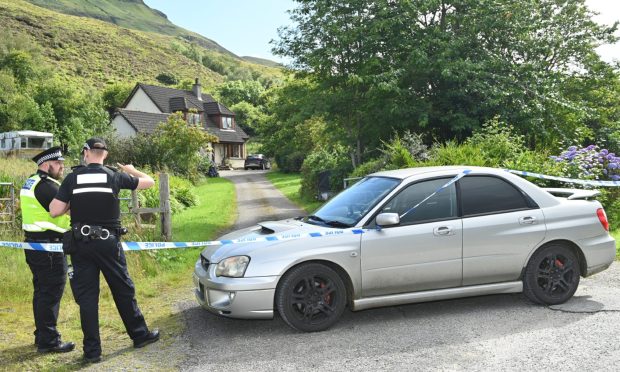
98 53
134 14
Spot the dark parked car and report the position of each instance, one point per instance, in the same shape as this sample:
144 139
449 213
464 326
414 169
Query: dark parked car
257 161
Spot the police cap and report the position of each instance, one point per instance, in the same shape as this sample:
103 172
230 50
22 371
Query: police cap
95 143
53 153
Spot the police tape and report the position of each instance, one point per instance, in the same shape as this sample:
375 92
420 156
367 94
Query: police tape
140 246
568 180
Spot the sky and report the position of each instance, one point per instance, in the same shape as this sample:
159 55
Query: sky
245 27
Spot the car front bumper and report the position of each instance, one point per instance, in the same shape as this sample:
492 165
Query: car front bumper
244 298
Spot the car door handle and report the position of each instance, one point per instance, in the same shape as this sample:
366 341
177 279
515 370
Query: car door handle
528 220
442 231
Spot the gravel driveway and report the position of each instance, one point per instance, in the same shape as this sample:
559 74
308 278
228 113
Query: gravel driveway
489 333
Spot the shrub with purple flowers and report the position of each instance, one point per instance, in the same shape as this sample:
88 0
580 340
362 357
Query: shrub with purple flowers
589 163
595 164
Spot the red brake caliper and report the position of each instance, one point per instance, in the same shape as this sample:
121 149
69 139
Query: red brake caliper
327 297
559 263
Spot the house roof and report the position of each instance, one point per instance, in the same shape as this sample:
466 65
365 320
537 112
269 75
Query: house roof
177 104
236 135
170 100
146 122
216 108
142 122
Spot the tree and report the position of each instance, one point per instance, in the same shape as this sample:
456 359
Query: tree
445 67
178 144
233 92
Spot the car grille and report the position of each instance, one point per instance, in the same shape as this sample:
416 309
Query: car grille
204 262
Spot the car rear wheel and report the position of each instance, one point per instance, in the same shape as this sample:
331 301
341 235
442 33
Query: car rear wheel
552 275
311 297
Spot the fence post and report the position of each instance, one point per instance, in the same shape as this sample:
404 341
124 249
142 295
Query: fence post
13 204
134 207
164 204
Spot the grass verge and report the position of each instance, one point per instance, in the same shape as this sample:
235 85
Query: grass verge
162 278
289 184
616 235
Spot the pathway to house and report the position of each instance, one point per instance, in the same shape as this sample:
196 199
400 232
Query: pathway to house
258 200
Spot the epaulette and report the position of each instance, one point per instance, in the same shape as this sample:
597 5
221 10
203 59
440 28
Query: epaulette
113 169
43 176
77 166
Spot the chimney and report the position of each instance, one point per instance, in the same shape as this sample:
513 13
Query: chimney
196 90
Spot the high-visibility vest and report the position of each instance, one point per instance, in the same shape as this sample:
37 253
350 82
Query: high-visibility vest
34 217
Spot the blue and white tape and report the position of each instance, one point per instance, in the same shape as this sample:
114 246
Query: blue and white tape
569 180
141 246
456 178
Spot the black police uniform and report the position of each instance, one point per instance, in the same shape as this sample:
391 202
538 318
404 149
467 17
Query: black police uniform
49 271
92 192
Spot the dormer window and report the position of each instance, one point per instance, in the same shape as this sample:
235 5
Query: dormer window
193 118
227 122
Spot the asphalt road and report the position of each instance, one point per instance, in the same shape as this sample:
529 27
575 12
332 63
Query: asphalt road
489 333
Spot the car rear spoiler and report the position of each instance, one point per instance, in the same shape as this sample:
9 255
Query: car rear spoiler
573 194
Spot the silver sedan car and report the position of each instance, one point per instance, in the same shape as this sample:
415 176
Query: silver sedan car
407 236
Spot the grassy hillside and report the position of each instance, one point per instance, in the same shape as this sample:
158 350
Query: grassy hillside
98 53
133 14
262 61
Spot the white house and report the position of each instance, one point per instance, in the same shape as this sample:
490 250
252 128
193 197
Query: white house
148 105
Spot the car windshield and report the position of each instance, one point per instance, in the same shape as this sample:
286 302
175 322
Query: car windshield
348 207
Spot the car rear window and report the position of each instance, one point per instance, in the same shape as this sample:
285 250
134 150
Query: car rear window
484 195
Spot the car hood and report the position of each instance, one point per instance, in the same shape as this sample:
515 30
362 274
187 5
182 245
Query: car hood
261 230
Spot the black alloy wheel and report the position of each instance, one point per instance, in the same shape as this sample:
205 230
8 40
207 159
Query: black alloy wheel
552 275
311 297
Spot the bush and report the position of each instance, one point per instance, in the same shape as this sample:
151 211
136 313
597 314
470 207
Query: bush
592 163
336 161
167 78
291 162
174 146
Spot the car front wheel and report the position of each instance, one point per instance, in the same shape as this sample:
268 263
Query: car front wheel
552 275
311 297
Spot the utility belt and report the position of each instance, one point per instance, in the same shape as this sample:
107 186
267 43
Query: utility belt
86 232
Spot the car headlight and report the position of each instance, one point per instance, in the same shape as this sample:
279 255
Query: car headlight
233 267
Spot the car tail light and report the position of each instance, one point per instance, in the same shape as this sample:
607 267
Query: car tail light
603 218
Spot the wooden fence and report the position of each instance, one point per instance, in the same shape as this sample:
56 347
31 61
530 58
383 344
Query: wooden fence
7 204
164 211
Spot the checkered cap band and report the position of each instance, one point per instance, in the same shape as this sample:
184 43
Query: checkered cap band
53 156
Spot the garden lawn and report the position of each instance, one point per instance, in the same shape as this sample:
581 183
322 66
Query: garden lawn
162 278
290 184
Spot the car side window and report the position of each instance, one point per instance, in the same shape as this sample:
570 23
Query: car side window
484 195
440 206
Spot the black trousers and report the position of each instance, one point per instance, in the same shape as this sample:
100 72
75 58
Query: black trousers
48 279
106 257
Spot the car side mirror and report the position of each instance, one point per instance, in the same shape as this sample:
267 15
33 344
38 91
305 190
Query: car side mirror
387 219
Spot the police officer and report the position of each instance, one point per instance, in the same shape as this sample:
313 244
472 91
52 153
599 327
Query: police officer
91 192
48 269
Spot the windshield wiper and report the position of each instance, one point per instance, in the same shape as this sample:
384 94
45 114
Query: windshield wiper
329 223
316 218
337 224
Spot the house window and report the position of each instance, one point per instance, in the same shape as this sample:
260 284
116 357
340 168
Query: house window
193 119
227 122
233 151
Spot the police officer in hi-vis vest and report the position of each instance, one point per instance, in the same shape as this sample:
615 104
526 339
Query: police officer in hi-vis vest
91 193
48 269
